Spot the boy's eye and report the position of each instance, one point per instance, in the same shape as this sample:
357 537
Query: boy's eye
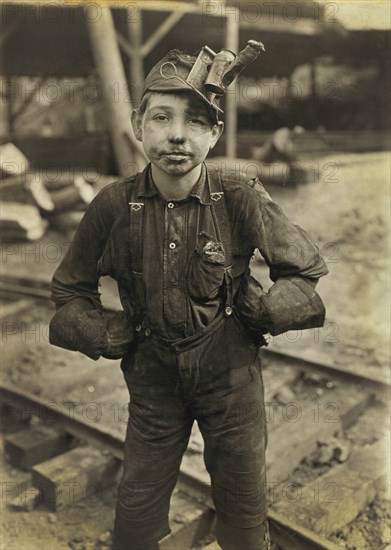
160 118
197 122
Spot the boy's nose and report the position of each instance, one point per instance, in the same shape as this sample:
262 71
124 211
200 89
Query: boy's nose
176 132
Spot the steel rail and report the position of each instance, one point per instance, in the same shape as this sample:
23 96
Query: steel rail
41 290
287 534
328 369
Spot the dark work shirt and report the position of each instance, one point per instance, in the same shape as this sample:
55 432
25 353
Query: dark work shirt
171 229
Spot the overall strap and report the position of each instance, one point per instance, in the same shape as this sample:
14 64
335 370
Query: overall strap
223 227
136 226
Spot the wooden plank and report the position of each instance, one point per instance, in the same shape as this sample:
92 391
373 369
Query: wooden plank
70 477
288 535
336 498
21 220
27 188
317 420
231 108
12 160
35 444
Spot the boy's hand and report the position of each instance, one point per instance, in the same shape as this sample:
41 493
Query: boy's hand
78 326
120 335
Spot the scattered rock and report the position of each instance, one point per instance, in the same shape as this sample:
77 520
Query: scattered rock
342 451
52 518
303 475
370 529
105 537
105 540
385 533
323 455
284 396
27 500
357 540
82 543
313 377
179 518
330 450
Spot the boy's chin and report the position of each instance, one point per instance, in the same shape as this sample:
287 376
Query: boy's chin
176 168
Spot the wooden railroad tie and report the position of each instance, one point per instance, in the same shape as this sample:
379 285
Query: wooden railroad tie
77 474
332 412
336 498
35 444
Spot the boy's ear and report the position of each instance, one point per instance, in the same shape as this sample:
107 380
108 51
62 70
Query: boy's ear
217 130
136 123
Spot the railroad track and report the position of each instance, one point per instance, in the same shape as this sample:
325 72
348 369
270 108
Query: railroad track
317 411
28 288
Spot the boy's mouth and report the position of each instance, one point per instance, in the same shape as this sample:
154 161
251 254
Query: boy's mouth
176 155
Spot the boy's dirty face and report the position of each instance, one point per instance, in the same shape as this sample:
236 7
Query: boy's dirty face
176 131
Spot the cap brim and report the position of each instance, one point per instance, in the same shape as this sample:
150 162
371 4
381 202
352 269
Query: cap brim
177 86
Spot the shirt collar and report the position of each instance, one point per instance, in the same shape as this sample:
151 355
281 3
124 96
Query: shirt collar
200 191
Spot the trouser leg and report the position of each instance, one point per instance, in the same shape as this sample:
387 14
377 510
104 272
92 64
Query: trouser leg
157 435
230 413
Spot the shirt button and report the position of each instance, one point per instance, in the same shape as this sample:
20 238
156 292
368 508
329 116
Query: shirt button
172 246
170 205
228 311
147 331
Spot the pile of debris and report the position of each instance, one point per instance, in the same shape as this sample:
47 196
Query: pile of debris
31 199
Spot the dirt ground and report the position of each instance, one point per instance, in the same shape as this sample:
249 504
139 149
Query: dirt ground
346 211
348 216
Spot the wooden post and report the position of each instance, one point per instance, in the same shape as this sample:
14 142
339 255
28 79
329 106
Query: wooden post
4 120
6 125
128 151
135 31
231 116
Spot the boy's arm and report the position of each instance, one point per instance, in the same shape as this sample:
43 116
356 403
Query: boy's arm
295 267
77 275
80 323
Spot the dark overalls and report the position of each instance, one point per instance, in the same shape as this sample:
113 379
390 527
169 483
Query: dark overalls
193 358
214 377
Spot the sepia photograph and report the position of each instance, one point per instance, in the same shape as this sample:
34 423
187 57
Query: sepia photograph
195 275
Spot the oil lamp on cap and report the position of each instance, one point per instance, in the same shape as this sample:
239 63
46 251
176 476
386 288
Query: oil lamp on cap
208 75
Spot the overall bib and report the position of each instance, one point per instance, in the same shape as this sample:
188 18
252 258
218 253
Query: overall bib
213 377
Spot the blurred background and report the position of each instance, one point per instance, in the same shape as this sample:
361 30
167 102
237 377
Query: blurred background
325 69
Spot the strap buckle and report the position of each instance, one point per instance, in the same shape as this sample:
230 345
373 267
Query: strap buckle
216 196
136 206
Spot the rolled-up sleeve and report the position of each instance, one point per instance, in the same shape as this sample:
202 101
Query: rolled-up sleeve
77 275
286 248
294 262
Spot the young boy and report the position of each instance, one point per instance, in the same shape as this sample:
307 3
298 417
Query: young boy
178 239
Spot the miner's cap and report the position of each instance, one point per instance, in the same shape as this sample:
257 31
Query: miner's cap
208 75
170 74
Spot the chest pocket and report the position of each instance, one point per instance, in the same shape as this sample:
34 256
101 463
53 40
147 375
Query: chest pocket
207 267
210 272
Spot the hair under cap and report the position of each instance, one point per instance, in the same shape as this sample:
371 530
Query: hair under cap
170 74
